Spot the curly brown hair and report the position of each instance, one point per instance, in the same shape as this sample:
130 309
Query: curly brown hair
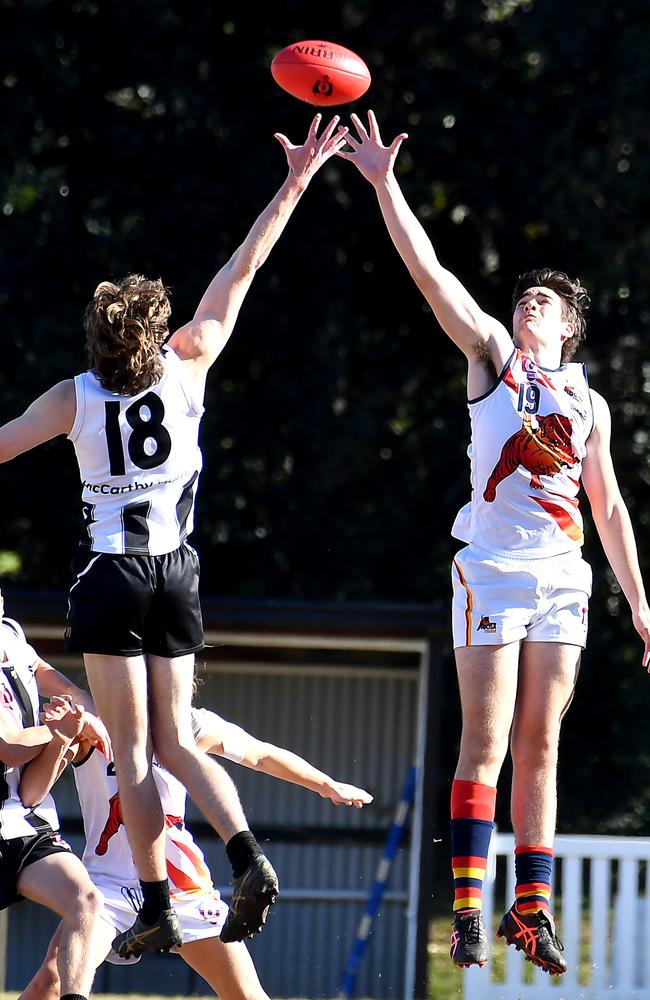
126 324
573 296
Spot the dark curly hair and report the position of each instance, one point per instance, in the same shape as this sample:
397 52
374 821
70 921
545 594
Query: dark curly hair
573 296
125 325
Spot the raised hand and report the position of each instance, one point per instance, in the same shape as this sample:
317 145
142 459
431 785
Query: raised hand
374 160
306 159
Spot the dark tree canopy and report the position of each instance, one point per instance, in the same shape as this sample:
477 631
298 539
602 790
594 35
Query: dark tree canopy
139 136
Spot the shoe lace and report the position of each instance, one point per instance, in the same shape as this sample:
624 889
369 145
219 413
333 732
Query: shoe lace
546 928
473 928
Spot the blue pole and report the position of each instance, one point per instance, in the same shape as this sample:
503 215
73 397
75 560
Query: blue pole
381 877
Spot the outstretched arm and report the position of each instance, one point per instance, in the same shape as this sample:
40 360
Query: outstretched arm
227 740
48 416
458 314
201 341
612 520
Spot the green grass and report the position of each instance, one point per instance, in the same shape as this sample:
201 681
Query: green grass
446 981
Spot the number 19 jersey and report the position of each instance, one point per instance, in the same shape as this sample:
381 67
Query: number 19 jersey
139 462
529 437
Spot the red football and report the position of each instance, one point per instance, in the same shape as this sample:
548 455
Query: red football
321 73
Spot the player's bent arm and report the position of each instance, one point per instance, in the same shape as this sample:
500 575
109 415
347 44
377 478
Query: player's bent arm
230 741
19 746
48 416
42 772
53 684
462 319
612 518
65 722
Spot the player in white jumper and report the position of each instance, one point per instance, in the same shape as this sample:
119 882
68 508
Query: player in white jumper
521 588
228 968
35 863
134 611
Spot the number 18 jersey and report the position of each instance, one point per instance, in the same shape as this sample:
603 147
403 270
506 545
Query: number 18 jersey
139 462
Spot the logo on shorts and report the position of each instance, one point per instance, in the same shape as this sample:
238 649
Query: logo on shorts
584 616
485 625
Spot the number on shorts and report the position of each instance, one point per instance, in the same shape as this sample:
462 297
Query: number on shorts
141 431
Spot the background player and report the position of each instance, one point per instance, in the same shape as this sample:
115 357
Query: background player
134 610
36 863
228 968
521 587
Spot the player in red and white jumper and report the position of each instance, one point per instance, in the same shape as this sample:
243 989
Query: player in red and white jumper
134 609
228 968
521 587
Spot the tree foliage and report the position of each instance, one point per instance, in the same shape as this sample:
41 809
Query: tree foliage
139 136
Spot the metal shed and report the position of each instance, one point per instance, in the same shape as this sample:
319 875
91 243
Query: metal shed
353 688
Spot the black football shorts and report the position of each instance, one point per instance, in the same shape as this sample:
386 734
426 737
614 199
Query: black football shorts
19 852
129 605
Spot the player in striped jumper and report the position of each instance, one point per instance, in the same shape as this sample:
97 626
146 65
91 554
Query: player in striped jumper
521 587
228 968
134 610
35 862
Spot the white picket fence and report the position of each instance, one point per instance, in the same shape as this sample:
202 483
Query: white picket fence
602 908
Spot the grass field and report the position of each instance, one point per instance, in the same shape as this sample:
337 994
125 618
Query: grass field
446 980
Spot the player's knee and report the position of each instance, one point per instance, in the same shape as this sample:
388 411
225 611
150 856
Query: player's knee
88 902
537 751
94 901
131 763
483 751
173 754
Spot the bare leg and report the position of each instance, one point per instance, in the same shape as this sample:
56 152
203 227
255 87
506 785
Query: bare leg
211 788
61 883
487 680
45 984
547 677
228 968
119 689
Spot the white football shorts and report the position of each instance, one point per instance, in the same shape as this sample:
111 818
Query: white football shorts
201 915
498 599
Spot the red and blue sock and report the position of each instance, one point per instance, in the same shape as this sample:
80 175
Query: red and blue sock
472 822
533 871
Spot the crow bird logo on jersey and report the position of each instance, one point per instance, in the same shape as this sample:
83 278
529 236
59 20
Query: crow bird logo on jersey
113 823
116 820
542 448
